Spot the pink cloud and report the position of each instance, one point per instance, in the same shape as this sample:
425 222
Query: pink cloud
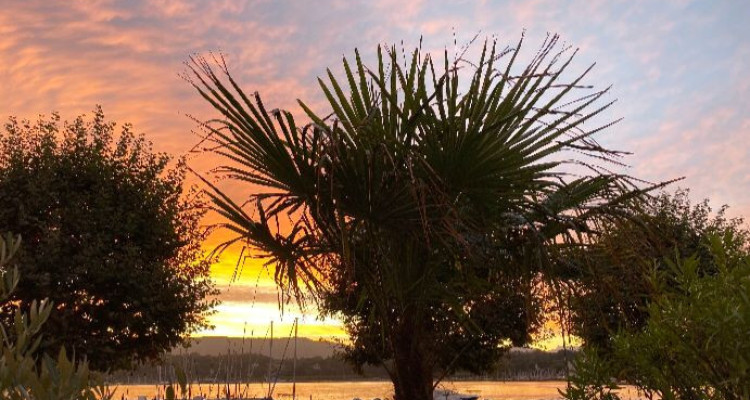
685 111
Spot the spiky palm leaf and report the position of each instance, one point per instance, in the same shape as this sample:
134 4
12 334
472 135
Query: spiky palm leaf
393 195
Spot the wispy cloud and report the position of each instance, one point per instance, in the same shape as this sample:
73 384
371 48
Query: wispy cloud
678 68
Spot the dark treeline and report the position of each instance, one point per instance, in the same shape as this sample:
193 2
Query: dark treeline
531 365
241 368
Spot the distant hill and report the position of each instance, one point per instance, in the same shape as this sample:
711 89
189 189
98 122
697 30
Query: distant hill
221 345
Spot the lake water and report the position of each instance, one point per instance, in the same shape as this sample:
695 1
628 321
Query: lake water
370 390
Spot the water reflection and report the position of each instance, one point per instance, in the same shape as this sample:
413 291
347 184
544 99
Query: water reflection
370 390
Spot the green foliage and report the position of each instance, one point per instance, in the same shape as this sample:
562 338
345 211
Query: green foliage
694 343
23 374
592 379
169 393
110 238
425 210
610 279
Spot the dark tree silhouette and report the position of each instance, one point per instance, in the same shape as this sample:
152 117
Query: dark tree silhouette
424 209
612 277
109 237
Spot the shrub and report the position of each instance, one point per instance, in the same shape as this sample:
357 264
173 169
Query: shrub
694 345
110 237
23 376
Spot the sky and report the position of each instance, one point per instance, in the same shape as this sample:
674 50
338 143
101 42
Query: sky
678 70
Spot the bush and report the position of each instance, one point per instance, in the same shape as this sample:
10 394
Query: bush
24 376
110 237
612 276
694 345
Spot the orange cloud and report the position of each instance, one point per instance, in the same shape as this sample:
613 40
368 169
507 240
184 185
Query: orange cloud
678 68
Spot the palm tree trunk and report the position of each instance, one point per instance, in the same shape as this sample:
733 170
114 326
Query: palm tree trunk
412 369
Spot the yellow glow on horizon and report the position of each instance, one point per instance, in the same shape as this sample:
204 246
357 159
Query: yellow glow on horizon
250 303
243 319
557 342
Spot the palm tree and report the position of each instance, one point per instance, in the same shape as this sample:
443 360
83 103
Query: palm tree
424 210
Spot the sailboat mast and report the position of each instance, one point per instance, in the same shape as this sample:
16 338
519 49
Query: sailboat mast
294 364
270 357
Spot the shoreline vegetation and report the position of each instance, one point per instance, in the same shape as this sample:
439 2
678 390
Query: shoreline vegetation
518 365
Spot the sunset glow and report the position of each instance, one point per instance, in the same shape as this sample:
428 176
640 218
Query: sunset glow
679 70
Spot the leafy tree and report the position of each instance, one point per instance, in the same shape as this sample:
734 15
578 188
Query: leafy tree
23 376
693 345
424 210
110 239
612 278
